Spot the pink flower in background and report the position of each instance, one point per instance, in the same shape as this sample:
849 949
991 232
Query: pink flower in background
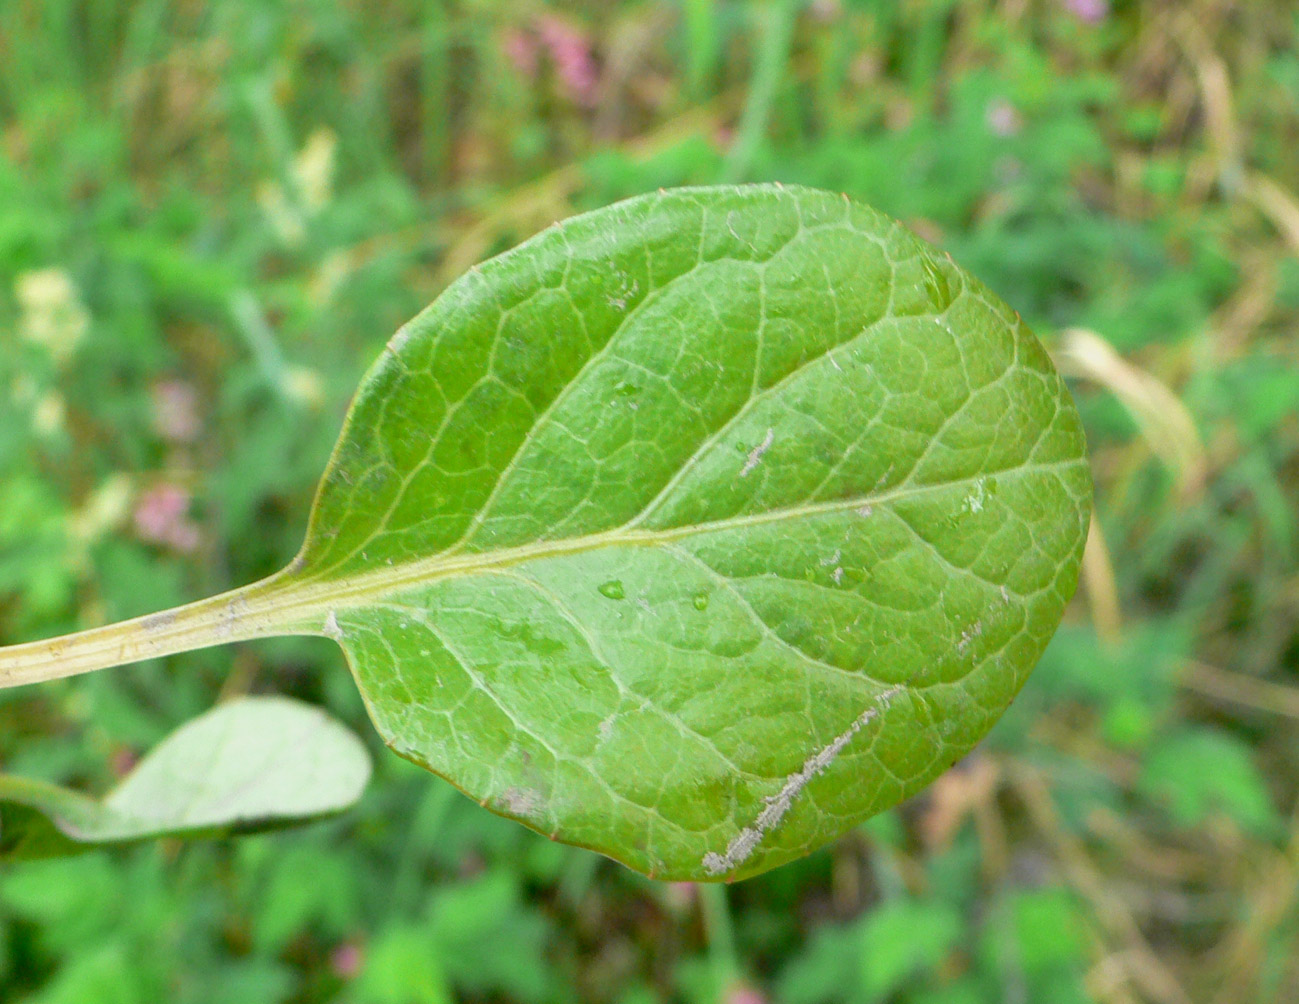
162 517
739 993
123 761
346 960
1002 118
571 53
175 411
680 896
1091 11
520 49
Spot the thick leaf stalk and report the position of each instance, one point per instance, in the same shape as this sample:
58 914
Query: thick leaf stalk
240 615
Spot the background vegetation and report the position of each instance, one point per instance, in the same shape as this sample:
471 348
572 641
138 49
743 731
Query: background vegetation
212 215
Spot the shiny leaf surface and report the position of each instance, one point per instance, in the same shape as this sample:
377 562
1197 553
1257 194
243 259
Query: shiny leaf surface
698 528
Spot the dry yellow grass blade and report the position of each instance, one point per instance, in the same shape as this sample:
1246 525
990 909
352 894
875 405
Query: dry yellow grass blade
1237 688
1101 585
1222 127
1277 204
1163 420
1140 964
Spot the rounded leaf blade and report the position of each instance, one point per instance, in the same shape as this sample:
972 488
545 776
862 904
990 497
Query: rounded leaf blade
701 527
248 764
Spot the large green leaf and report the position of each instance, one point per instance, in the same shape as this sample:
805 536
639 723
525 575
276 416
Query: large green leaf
701 527
694 530
252 763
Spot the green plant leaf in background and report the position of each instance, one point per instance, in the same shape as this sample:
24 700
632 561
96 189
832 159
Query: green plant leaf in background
1198 771
249 764
694 530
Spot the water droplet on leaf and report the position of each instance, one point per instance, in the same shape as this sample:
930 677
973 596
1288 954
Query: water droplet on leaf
612 589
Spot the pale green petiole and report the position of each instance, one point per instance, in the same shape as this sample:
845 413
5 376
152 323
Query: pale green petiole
255 611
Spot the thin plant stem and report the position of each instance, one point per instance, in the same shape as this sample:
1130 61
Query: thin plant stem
719 930
240 615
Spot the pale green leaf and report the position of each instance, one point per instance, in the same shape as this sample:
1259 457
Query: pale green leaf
248 764
699 528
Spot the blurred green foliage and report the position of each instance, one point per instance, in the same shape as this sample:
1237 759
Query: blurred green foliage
214 215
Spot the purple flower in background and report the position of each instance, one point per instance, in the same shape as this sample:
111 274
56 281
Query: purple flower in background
520 49
571 53
347 960
161 517
1091 11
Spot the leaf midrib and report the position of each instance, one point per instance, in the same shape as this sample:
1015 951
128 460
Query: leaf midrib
304 603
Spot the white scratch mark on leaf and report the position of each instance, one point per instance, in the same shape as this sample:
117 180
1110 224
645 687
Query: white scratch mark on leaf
975 500
332 629
778 805
521 801
968 635
628 288
757 453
